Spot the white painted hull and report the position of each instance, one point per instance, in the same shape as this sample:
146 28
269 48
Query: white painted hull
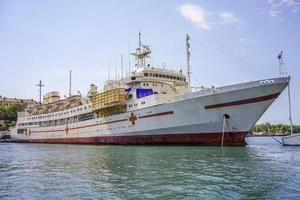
194 119
291 140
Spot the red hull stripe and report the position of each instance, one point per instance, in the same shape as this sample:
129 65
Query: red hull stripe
244 101
236 138
157 114
98 124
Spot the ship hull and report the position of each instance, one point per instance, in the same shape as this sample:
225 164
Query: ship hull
208 139
291 140
196 119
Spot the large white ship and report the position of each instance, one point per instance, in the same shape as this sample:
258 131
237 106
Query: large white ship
152 105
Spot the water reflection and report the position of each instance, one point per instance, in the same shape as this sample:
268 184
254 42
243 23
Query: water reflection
143 172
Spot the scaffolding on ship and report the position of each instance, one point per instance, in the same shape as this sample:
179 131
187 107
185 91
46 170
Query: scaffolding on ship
110 102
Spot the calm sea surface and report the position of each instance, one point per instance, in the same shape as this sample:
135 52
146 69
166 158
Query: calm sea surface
262 170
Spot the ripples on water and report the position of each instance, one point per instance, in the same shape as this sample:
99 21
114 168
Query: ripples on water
262 170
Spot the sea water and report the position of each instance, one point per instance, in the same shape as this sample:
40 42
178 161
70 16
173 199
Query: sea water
261 170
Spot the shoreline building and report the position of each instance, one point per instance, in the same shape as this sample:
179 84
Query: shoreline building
5 101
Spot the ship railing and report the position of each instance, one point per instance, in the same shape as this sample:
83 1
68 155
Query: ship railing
22 114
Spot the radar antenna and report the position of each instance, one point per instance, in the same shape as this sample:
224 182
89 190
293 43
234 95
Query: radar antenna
40 85
142 52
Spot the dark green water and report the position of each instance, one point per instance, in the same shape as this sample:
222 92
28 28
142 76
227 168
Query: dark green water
261 170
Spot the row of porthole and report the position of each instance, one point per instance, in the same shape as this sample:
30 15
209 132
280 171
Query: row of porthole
130 105
164 76
58 114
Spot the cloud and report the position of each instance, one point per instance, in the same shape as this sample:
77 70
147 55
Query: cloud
204 19
195 14
276 6
273 13
242 39
246 39
229 18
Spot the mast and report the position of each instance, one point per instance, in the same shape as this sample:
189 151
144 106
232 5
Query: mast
282 73
116 72
188 55
121 66
290 108
40 85
282 68
129 65
70 83
142 52
140 42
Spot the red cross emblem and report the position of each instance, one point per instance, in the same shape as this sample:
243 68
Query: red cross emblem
67 129
132 118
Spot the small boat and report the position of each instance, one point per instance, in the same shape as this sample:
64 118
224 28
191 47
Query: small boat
5 137
291 140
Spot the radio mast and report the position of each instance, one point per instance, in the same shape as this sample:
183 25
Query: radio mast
188 55
282 68
70 84
122 66
40 85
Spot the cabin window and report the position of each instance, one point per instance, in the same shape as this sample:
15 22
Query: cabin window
160 75
145 74
86 116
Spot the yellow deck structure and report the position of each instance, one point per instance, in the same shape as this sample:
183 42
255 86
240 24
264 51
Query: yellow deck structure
109 102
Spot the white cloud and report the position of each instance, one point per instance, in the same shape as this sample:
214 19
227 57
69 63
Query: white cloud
273 13
276 6
205 19
242 39
229 18
195 14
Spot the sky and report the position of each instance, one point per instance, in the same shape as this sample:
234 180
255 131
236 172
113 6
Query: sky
231 42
